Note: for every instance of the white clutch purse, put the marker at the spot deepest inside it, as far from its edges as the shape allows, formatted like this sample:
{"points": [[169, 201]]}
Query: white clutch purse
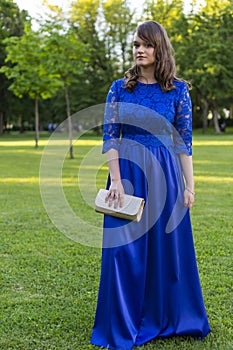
{"points": [[131, 210]]}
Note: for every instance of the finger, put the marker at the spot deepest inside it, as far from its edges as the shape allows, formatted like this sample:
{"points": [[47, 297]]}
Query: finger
{"points": [[191, 203], [116, 202], [113, 199], [107, 196], [188, 201], [110, 200], [110, 195], [121, 200]]}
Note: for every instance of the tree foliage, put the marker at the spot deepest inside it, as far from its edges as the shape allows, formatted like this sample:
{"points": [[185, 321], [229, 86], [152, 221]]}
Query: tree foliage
{"points": [[118, 26], [11, 24], [209, 63], [27, 56], [66, 61]]}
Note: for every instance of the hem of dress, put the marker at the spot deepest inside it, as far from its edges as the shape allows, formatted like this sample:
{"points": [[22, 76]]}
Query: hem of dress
{"points": [[110, 347], [157, 337], [163, 337]]}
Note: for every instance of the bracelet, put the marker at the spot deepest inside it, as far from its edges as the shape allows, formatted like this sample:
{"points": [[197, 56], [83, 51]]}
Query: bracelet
{"points": [[193, 193]]}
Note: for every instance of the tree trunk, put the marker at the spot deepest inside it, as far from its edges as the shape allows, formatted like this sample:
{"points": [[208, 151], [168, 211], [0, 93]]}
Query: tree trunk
{"points": [[1, 123], [231, 111], [205, 115], [123, 49], [198, 111], [22, 127], [69, 122], [215, 119], [36, 122]]}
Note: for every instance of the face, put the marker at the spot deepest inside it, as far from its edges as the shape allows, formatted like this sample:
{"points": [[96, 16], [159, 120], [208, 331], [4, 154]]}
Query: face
{"points": [[143, 53]]}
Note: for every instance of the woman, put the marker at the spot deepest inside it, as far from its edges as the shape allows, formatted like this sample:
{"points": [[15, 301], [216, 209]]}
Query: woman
{"points": [[149, 283]]}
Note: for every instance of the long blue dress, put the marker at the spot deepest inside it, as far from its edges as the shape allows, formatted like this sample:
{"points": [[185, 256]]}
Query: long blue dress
{"points": [[149, 284]]}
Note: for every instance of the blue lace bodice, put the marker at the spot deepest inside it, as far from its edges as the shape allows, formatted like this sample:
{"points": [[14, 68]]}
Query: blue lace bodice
{"points": [[149, 116]]}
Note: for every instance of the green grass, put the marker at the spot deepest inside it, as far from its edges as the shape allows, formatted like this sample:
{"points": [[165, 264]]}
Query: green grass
{"points": [[49, 283]]}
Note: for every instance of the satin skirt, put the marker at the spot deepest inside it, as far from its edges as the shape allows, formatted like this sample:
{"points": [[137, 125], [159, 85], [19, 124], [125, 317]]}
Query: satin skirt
{"points": [[149, 285]]}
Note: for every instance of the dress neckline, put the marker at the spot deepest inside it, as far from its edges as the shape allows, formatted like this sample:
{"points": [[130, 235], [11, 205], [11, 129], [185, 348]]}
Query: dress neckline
{"points": [[147, 83]]}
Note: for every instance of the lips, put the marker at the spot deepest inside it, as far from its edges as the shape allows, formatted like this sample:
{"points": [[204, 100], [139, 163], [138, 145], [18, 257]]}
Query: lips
{"points": [[140, 57]]}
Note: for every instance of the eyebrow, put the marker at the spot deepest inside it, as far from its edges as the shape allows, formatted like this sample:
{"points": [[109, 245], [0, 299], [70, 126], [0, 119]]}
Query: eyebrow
{"points": [[141, 40]]}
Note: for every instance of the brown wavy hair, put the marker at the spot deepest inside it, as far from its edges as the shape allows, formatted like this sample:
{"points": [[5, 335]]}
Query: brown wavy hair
{"points": [[164, 67]]}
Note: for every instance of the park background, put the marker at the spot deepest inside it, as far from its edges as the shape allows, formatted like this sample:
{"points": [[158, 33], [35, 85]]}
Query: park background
{"points": [[59, 65]]}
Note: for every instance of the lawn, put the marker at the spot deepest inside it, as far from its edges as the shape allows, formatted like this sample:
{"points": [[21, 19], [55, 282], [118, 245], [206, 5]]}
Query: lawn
{"points": [[49, 282]]}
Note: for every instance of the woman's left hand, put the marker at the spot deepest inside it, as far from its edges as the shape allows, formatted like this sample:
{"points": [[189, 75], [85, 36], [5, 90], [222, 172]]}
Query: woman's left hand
{"points": [[115, 194], [188, 198]]}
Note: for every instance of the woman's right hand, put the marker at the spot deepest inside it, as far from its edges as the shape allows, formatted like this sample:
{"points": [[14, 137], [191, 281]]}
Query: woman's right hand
{"points": [[115, 194]]}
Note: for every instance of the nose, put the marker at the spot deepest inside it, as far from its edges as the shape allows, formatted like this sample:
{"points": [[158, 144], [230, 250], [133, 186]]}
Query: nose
{"points": [[140, 49]]}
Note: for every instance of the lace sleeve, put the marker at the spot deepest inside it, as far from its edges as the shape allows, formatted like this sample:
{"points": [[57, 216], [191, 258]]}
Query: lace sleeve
{"points": [[182, 134], [111, 129]]}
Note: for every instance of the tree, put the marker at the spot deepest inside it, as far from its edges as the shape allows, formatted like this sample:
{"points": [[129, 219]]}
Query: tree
{"points": [[209, 52], [29, 75], [11, 24], [98, 74], [170, 14], [66, 61], [118, 31]]}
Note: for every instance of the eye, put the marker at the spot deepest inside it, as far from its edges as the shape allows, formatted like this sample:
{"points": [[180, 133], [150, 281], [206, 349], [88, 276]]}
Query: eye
{"points": [[135, 45], [149, 45]]}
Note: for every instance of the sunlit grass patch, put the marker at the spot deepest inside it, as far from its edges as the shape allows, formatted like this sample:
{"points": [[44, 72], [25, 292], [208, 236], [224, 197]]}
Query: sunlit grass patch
{"points": [[212, 143], [18, 180], [213, 179]]}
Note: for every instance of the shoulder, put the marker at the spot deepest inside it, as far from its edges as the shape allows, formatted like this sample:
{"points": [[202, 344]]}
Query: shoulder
{"points": [[180, 85], [116, 89], [118, 84], [181, 90]]}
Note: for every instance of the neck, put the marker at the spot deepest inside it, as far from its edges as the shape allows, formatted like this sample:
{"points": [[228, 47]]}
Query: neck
{"points": [[148, 74]]}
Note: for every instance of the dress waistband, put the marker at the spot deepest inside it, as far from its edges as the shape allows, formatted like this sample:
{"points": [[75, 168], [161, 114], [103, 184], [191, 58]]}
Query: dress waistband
{"points": [[148, 140]]}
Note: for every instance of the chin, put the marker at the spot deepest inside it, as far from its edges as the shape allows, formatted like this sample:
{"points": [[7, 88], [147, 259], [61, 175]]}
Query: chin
{"points": [[142, 64]]}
